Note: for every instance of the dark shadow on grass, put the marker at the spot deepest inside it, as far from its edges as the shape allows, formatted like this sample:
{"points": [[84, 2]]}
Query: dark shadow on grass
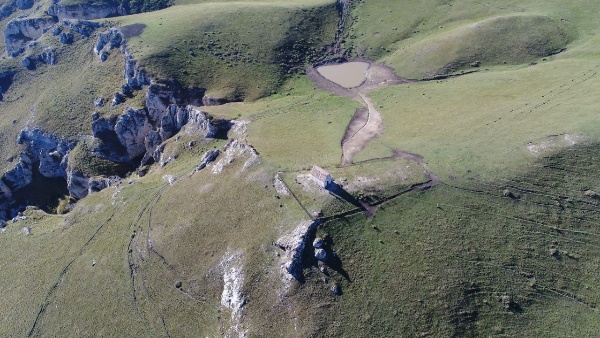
{"points": [[339, 192]]}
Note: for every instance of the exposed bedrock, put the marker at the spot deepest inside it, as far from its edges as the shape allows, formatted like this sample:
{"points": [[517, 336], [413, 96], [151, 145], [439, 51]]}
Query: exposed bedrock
{"points": [[86, 11], [19, 32], [131, 129]]}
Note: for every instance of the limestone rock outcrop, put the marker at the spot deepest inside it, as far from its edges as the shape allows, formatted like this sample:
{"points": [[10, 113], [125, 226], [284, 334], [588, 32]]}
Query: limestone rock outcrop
{"points": [[19, 32], [21, 175], [77, 184], [134, 77], [132, 128], [208, 157], [108, 40], [5, 202], [87, 12], [294, 244], [47, 149]]}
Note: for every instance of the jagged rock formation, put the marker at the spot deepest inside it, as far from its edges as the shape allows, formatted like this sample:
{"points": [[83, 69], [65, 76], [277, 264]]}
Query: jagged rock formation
{"points": [[134, 135], [19, 32], [86, 12], [48, 150], [208, 157], [85, 28], [132, 128], [5, 202], [294, 244], [21, 175], [134, 77], [12, 6], [77, 184]]}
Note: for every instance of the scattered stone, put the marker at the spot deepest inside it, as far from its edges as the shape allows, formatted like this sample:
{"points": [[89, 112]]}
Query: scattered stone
{"points": [[591, 194], [318, 243], [178, 284], [554, 253], [99, 102], [27, 230], [2, 224], [94, 262], [56, 31], [507, 193]]}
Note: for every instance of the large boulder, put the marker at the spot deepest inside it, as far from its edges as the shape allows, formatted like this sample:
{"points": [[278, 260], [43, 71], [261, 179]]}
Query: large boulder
{"points": [[200, 124], [24, 4], [77, 184], [108, 40], [134, 77], [53, 165], [131, 129]]}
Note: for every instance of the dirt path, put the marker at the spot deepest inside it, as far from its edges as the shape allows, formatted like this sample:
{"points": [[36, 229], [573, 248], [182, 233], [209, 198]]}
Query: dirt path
{"points": [[366, 124], [360, 137]]}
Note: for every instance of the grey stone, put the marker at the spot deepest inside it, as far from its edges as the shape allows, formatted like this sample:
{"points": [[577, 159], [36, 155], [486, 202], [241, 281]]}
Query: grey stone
{"points": [[85, 11], [52, 165], [77, 184], [99, 102], [21, 175], [208, 157], [66, 38], [320, 254], [318, 243], [117, 99], [109, 40], [24, 4], [131, 129], [19, 32]]}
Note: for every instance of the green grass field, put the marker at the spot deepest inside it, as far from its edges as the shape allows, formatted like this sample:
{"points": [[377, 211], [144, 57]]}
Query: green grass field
{"points": [[505, 246]]}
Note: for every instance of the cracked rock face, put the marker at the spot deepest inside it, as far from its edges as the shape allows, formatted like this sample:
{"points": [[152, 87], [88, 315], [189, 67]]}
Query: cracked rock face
{"points": [[19, 32], [109, 40], [21, 175], [52, 164], [5, 202], [77, 184], [132, 128], [86, 12], [294, 244]]}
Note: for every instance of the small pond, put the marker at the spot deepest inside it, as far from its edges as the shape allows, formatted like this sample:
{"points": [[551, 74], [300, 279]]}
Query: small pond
{"points": [[349, 74]]}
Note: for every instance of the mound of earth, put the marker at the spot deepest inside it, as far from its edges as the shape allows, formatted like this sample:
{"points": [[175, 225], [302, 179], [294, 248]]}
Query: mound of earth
{"points": [[515, 39]]}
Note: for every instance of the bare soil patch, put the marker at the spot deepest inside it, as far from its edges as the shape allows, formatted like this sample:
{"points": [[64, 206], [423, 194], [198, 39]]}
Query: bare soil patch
{"points": [[366, 124], [357, 141]]}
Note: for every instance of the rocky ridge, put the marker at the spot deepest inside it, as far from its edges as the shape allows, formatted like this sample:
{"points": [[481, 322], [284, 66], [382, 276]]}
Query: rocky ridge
{"points": [[134, 137]]}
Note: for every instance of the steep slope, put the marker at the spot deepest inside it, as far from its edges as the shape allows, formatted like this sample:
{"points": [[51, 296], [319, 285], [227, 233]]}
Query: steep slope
{"points": [[472, 213]]}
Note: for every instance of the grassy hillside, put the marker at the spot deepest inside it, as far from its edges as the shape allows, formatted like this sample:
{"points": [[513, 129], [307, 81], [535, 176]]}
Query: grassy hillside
{"points": [[505, 245], [217, 45], [437, 263]]}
